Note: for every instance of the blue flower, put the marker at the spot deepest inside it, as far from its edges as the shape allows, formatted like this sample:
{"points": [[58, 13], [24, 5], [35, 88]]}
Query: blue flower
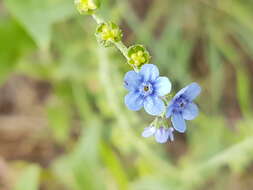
{"points": [[162, 135], [145, 89], [182, 108]]}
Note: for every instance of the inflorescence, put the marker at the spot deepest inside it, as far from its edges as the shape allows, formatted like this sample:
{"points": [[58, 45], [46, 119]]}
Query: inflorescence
{"points": [[146, 89]]}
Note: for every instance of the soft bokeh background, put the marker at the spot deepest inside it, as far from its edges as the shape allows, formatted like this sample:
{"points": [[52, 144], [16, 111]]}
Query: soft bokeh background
{"points": [[63, 124]]}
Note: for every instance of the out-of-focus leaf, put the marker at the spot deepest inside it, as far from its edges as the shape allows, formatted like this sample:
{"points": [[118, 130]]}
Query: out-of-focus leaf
{"points": [[14, 42], [243, 91], [59, 120], [37, 17], [235, 156], [172, 51], [216, 76], [80, 169], [114, 166], [241, 12], [29, 179], [156, 182], [212, 133]]}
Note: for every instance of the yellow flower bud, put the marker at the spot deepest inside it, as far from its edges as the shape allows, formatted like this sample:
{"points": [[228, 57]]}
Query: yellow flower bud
{"points": [[108, 33], [87, 6], [138, 55]]}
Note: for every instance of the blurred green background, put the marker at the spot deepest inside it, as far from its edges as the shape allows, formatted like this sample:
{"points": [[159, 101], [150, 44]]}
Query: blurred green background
{"points": [[63, 123]]}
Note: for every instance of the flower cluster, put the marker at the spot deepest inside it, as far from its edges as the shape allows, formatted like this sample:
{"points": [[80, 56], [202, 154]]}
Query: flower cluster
{"points": [[162, 134], [146, 89]]}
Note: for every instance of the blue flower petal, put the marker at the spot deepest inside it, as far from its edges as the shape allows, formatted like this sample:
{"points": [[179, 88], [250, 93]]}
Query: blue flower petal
{"points": [[134, 101], [192, 91], [178, 122], [171, 136], [162, 86], [154, 105], [169, 109], [162, 135], [132, 80], [149, 72], [191, 111], [180, 92], [149, 131]]}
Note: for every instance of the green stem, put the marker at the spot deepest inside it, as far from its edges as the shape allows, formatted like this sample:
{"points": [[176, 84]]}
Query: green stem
{"points": [[122, 48], [98, 19], [165, 100]]}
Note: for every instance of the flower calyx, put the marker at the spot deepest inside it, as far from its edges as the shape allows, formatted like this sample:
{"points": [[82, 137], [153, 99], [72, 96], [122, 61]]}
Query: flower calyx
{"points": [[138, 55], [87, 6], [108, 33]]}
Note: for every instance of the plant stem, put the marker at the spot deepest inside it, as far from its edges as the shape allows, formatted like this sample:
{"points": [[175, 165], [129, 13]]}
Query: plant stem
{"points": [[122, 48], [98, 19]]}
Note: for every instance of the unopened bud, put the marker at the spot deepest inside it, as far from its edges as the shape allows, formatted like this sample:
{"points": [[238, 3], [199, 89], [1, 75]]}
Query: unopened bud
{"points": [[87, 6], [108, 33], [138, 55]]}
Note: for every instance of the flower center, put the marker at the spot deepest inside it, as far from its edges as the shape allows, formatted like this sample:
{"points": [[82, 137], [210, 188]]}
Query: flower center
{"points": [[180, 104], [146, 89]]}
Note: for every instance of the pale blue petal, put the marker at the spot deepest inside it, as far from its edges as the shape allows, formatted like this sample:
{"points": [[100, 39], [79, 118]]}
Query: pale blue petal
{"points": [[180, 92], [132, 80], [134, 101], [169, 109], [162, 86], [154, 105], [149, 72], [162, 135], [171, 136], [149, 131], [191, 111], [192, 91], [178, 122]]}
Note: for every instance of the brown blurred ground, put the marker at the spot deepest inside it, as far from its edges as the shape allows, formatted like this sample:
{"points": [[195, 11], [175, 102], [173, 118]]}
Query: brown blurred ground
{"points": [[23, 125]]}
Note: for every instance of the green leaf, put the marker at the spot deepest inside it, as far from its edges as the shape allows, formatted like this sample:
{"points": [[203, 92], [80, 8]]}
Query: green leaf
{"points": [[243, 91], [29, 179], [235, 156], [77, 169], [37, 17], [114, 166], [59, 120], [11, 33]]}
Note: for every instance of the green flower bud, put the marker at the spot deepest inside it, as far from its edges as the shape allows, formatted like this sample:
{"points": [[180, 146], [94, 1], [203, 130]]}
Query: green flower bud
{"points": [[138, 55], [108, 33], [87, 6]]}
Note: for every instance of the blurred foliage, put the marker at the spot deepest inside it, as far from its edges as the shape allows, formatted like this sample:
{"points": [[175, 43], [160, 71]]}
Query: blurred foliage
{"points": [[205, 41], [29, 178]]}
